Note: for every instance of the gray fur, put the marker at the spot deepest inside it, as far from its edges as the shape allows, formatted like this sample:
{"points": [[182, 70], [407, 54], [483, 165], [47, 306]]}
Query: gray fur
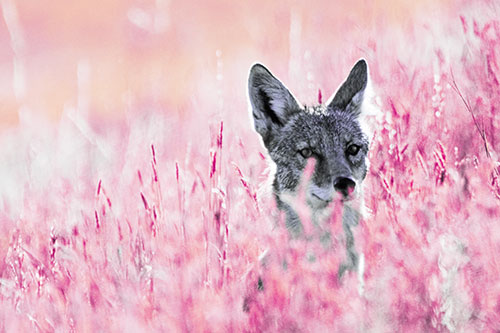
{"points": [[350, 94], [328, 130]]}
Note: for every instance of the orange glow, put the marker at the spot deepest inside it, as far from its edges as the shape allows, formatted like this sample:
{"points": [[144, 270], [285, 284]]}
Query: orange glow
{"points": [[163, 51]]}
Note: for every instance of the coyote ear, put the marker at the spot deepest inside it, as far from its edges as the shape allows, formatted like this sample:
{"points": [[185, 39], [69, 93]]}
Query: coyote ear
{"points": [[272, 103], [350, 94]]}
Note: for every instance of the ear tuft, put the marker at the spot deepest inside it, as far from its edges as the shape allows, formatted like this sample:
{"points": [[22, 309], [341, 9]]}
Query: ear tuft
{"points": [[350, 94], [272, 103]]}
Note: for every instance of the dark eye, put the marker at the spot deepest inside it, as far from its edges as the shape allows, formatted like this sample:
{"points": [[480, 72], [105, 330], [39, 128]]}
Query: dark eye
{"points": [[306, 152], [353, 150]]}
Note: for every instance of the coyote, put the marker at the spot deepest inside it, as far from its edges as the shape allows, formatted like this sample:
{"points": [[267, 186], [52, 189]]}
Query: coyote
{"points": [[331, 134]]}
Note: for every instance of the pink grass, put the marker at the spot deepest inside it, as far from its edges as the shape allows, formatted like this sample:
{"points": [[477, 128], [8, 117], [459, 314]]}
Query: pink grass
{"points": [[159, 221]]}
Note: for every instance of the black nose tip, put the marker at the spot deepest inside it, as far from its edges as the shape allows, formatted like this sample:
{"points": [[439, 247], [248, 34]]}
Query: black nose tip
{"points": [[344, 185]]}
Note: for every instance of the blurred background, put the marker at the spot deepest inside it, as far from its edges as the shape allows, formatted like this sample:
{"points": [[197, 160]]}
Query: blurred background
{"points": [[110, 58], [126, 149]]}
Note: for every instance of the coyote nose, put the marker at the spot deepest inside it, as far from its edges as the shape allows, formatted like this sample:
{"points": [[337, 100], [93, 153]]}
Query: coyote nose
{"points": [[344, 185]]}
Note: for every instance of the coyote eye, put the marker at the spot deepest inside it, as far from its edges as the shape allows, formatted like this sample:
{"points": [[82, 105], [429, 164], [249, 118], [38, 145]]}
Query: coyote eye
{"points": [[353, 150], [306, 152]]}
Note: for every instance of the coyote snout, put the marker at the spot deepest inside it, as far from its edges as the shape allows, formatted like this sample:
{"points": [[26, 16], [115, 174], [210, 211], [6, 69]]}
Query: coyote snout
{"points": [[320, 197], [345, 186]]}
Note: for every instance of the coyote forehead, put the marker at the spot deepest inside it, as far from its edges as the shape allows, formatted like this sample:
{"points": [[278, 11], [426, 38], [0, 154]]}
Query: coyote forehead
{"points": [[331, 134]]}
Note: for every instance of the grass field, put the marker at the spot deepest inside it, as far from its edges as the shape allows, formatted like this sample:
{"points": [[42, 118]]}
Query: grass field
{"points": [[133, 187]]}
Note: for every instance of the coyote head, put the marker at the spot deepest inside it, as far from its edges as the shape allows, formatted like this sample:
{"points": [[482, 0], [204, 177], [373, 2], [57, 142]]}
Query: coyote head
{"points": [[331, 134]]}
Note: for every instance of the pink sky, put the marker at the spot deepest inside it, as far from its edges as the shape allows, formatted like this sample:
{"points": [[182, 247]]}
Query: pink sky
{"points": [[159, 51]]}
